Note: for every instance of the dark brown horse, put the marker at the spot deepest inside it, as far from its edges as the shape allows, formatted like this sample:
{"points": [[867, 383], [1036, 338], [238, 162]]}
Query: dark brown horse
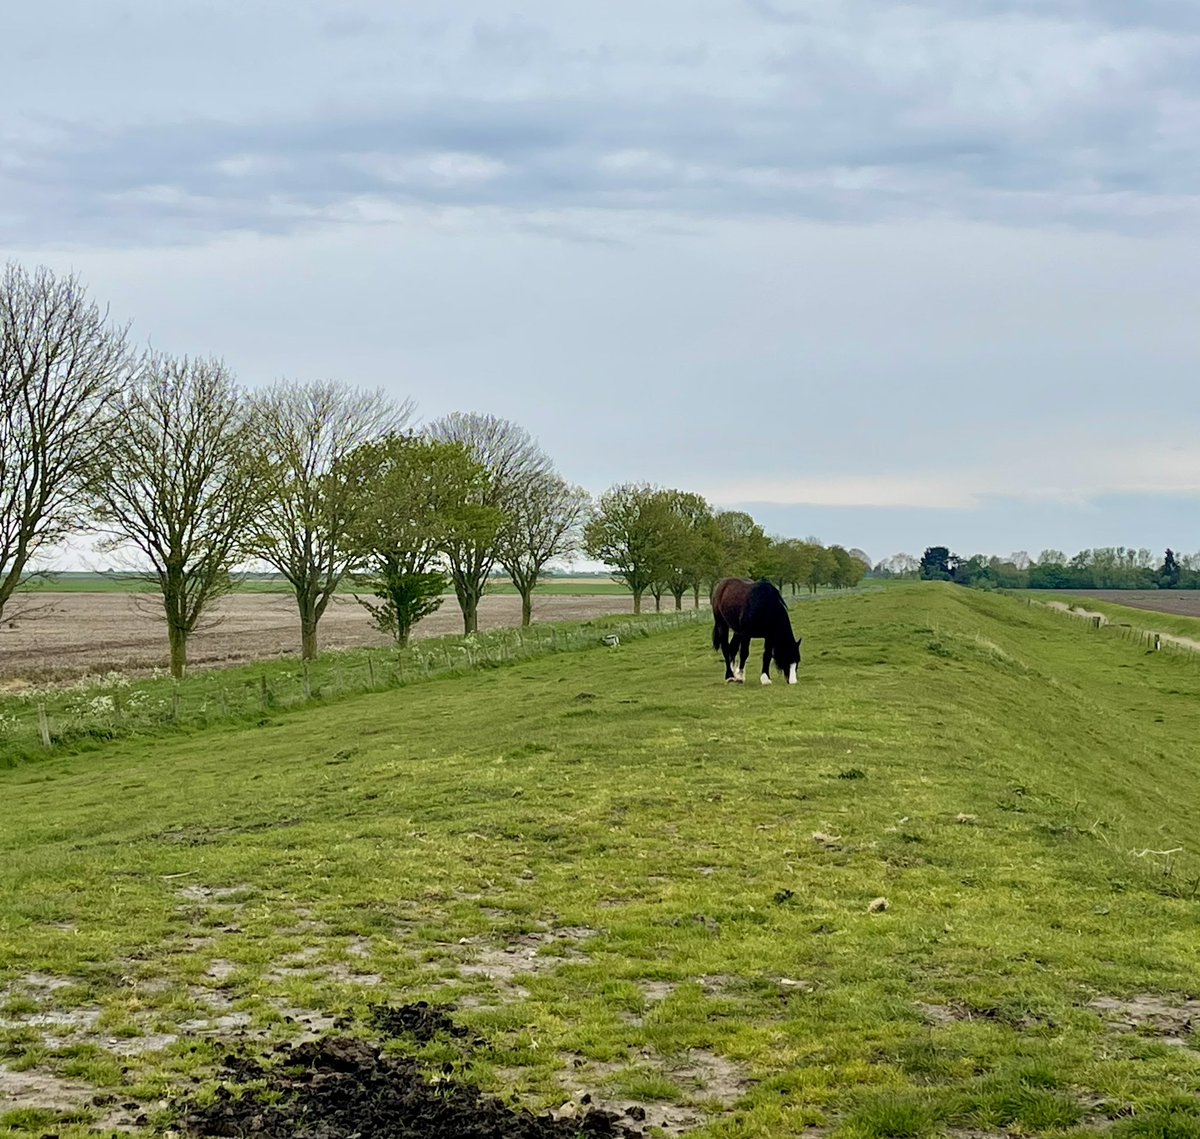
{"points": [[753, 609]]}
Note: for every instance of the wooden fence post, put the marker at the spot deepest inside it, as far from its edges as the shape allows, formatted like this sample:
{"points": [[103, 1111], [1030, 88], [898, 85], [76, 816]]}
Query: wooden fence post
{"points": [[44, 726], [266, 695]]}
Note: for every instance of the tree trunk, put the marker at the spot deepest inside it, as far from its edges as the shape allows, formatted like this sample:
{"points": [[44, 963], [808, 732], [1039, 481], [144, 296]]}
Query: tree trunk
{"points": [[470, 612], [308, 634], [637, 602], [178, 640], [678, 600], [695, 597], [658, 603], [526, 606]]}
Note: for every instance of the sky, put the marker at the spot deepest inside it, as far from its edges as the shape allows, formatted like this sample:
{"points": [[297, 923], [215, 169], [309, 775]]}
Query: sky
{"points": [[889, 274]]}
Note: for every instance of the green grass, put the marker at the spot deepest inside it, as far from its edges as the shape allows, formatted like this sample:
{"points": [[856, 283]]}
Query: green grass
{"points": [[697, 865], [93, 711]]}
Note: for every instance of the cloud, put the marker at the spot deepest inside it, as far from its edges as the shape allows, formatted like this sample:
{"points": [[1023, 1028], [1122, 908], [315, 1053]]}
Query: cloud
{"points": [[1052, 470], [1027, 115]]}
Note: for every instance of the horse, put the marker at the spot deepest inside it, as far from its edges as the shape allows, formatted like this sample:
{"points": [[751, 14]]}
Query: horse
{"points": [[753, 609]]}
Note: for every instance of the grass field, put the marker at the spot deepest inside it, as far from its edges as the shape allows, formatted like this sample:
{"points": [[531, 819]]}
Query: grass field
{"points": [[947, 884]]}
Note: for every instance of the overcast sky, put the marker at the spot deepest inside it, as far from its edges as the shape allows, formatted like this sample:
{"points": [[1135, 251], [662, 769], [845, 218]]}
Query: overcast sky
{"points": [[890, 274]]}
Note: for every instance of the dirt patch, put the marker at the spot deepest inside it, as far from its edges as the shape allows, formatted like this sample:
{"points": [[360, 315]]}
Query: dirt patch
{"points": [[1170, 1021], [90, 633], [341, 1087], [33, 1089], [523, 956], [216, 896], [701, 1076]]}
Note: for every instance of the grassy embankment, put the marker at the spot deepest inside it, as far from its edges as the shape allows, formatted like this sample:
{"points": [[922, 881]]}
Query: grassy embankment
{"points": [[696, 863]]}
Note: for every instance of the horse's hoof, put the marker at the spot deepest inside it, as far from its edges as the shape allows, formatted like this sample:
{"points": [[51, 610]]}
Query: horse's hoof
{"points": [[765, 679], [731, 680]]}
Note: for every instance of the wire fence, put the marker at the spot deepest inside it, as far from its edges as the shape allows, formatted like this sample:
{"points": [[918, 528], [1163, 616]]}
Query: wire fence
{"points": [[1149, 639], [36, 722]]}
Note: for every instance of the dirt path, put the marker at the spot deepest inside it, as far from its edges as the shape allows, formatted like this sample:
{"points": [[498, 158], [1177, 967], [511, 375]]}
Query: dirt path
{"points": [[75, 633]]}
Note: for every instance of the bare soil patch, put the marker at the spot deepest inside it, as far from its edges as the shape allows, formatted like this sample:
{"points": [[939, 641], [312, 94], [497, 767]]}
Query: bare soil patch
{"points": [[80, 633], [1171, 1021], [339, 1086]]}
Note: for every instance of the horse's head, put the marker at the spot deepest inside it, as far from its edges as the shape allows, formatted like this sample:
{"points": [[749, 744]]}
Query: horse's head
{"points": [[787, 658]]}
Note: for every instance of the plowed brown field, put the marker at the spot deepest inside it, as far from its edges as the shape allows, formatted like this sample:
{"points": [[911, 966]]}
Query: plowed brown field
{"points": [[72, 633], [1180, 602]]}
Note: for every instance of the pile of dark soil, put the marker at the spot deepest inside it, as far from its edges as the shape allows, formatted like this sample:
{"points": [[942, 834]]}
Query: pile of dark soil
{"points": [[340, 1087], [421, 1022]]}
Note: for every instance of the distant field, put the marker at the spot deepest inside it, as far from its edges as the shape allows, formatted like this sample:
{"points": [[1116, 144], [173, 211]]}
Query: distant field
{"points": [[63, 634], [1180, 602], [945, 888], [130, 583]]}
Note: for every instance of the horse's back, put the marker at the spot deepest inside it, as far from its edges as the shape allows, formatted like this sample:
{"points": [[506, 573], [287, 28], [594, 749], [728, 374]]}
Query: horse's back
{"points": [[748, 606]]}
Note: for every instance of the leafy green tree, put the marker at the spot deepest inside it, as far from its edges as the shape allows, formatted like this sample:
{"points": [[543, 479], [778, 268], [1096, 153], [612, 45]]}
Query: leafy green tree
{"points": [[413, 496], [684, 552], [847, 571], [743, 543], [1169, 572], [513, 460], [178, 483], [821, 569], [544, 521], [937, 564], [305, 435], [625, 533]]}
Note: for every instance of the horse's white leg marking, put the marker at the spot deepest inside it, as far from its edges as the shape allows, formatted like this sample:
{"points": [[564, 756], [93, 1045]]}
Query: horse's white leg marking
{"points": [[765, 679], [792, 675]]}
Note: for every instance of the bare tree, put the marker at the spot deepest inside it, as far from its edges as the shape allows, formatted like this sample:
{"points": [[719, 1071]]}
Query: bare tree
{"points": [[61, 364], [512, 458], [306, 434], [178, 485], [545, 517]]}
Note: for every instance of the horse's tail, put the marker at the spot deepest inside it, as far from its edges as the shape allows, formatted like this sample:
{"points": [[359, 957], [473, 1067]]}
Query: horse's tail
{"points": [[716, 635]]}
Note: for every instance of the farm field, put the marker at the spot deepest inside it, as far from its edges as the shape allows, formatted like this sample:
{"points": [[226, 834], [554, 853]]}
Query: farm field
{"points": [[72, 633], [946, 885], [79, 582], [1178, 602]]}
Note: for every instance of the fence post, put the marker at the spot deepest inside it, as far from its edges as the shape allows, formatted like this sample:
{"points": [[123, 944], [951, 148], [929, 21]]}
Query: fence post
{"points": [[371, 673], [44, 726], [1157, 642], [307, 683]]}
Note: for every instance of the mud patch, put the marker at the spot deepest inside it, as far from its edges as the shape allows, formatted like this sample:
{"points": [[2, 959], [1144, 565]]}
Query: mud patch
{"points": [[701, 1076], [33, 1089], [1166, 1020], [339, 1087], [524, 955]]}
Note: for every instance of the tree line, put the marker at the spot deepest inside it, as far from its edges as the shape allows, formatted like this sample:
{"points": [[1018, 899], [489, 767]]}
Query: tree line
{"points": [[326, 483], [1107, 567]]}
